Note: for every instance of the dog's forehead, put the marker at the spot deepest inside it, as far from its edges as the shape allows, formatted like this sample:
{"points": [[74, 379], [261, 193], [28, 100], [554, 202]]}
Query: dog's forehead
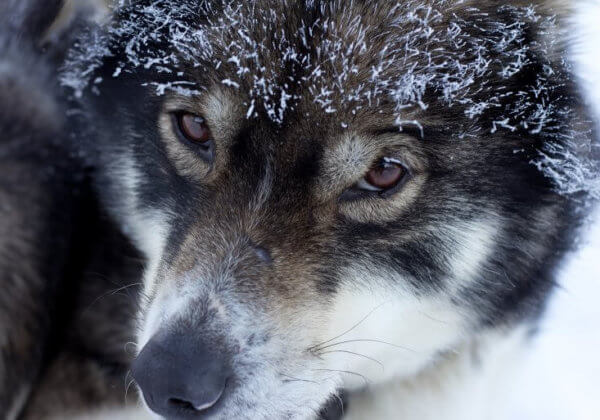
{"points": [[293, 60], [479, 69]]}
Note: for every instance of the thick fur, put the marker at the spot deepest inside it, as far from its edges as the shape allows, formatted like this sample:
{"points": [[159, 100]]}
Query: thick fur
{"points": [[269, 253]]}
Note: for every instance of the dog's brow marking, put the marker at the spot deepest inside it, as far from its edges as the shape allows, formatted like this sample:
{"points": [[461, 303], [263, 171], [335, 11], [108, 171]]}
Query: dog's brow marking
{"points": [[347, 159], [477, 240]]}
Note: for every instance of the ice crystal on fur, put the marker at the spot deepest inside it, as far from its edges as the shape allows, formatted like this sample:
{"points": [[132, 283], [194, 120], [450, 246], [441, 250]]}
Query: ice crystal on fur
{"points": [[420, 55]]}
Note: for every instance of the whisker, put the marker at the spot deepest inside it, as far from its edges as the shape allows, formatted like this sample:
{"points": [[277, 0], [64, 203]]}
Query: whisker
{"points": [[367, 341], [356, 354], [425, 314], [128, 385], [292, 378], [364, 378], [350, 329], [111, 292]]}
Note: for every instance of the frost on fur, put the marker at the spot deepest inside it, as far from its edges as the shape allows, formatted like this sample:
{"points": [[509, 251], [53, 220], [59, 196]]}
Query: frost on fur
{"points": [[425, 56]]}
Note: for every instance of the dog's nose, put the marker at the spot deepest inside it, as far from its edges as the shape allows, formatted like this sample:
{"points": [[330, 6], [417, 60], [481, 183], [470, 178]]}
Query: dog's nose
{"points": [[179, 376]]}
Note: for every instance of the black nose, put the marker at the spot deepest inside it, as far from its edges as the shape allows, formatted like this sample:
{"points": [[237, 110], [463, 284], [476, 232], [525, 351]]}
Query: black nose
{"points": [[180, 377]]}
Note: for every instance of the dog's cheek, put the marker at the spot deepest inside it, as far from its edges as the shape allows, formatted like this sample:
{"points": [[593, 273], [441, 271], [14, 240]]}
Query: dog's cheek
{"points": [[376, 332]]}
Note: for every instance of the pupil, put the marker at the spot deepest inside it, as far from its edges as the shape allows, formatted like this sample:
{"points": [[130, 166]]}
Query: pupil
{"points": [[385, 176], [194, 128]]}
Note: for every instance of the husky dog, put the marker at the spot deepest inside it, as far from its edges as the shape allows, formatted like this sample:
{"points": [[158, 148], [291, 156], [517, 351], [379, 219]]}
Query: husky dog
{"points": [[367, 196]]}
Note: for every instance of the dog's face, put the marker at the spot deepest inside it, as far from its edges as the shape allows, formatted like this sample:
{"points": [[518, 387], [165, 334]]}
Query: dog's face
{"points": [[331, 198]]}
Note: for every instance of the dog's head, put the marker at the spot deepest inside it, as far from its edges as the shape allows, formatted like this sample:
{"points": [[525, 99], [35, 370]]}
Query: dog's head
{"points": [[328, 193]]}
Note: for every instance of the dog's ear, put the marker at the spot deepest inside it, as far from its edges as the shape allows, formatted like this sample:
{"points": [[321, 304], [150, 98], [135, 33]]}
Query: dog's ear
{"points": [[28, 19]]}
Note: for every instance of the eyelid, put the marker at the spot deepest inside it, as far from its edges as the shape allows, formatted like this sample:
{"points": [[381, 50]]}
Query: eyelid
{"points": [[182, 109], [387, 159]]}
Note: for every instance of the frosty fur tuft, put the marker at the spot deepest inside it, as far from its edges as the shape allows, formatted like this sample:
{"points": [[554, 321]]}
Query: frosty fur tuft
{"points": [[421, 54]]}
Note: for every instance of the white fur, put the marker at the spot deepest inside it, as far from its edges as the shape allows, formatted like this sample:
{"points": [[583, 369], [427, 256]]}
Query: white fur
{"points": [[473, 244], [148, 229], [470, 384], [407, 333], [411, 330]]}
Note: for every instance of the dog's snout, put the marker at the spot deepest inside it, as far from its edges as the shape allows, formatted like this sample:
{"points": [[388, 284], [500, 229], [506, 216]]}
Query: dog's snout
{"points": [[180, 377]]}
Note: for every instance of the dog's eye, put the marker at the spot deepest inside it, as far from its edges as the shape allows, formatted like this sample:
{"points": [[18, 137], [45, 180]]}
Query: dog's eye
{"points": [[193, 127], [383, 179], [386, 175]]}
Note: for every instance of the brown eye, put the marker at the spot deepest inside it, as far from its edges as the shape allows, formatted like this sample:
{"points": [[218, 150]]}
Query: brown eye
{"points": [[386, 175], [193, 127], [384, 179]]}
